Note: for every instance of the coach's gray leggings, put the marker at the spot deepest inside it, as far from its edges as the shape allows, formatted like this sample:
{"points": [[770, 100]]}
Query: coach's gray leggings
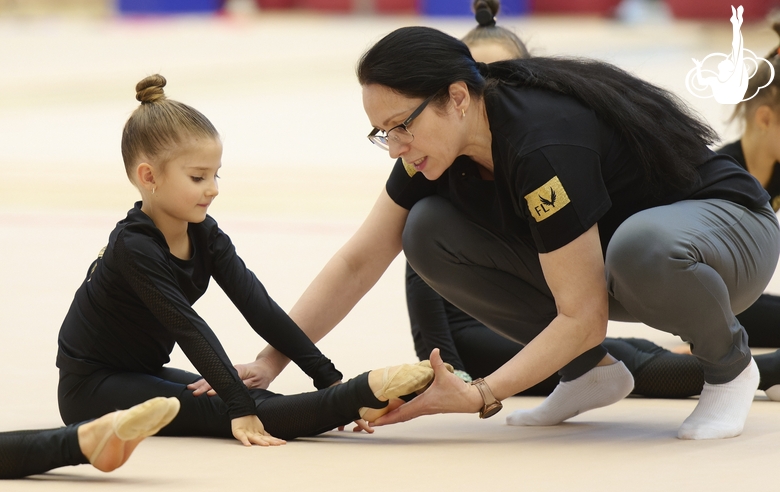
{"points": [[685, 268]]}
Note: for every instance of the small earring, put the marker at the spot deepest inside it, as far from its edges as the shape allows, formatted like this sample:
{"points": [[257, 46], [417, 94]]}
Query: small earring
{"points": [[463, 113], [153, 188]]}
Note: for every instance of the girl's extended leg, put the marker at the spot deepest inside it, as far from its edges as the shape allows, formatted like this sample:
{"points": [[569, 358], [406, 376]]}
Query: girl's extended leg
{"points": [[31, 452], [309, 414], [87, 397], [285, 417], [106, 443]]}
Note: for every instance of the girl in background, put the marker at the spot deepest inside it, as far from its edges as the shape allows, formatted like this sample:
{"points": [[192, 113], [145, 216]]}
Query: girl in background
{"points": [[758, 151]]}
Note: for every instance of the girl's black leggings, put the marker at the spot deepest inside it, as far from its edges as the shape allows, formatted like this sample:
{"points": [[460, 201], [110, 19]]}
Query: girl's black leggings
{"points": [[286, 417]]}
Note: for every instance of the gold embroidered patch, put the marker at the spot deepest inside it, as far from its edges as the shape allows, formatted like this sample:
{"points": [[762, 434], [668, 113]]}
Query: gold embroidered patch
{"points": [[547, 199], [410, 170]]}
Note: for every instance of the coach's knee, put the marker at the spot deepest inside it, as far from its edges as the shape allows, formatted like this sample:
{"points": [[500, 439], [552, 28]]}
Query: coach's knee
{"points": [[641, 254], [424, 228]]}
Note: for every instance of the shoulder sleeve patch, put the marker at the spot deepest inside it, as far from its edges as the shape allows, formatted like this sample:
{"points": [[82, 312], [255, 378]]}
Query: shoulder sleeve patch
{"points": [[410, 170], [547, 199]]}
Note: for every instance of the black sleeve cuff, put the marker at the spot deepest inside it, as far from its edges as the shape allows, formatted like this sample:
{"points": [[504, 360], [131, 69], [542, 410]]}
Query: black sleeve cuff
{"points": [[325, 374], [239, 402]]}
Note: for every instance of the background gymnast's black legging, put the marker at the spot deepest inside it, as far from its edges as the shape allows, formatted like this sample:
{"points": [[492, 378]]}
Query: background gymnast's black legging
{"points": [[762, 321], [658, 373], [286, 417]]}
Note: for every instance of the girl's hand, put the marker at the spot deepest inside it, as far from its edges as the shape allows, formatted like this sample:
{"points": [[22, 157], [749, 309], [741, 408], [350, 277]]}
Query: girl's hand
{"points": [[249, 430], [200, 387]]}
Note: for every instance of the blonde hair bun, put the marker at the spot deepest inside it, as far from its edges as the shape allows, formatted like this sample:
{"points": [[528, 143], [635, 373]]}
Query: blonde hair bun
{"points": [[150, 89]]}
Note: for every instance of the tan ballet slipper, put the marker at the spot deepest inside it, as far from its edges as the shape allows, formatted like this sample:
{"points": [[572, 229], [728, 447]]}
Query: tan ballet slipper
{"points": [[427, 363], [142, 420], [173, 409], [403, 380]]}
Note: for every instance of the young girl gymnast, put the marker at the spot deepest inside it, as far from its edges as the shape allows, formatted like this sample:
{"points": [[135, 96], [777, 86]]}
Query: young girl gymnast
{"points": [[136, 302]]}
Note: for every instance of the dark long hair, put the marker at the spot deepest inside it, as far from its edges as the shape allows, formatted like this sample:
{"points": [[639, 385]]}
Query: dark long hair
{"points": [[668, 138]]}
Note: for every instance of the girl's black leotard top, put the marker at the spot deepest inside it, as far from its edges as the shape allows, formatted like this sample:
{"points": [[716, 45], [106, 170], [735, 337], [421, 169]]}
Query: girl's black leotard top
{"points": [[734, 149], [136, 302]]}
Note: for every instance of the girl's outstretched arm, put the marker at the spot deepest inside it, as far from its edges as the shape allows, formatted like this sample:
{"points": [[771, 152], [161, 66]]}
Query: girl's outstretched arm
{"points": [[344, 280]]}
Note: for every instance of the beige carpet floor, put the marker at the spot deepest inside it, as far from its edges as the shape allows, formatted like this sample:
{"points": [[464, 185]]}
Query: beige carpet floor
{"points": [[298, 177]]}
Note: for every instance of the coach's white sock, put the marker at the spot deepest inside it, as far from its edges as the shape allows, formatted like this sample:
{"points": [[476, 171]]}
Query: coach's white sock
{"points": [[599, 387], [722, 408]]}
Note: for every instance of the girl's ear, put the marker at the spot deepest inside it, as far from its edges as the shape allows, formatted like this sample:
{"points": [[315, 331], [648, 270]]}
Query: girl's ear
{"points": [[145, 176], [764, 117]]}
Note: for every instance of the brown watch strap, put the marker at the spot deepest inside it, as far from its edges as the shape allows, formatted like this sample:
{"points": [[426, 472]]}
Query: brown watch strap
{"points": [[491, 405]]}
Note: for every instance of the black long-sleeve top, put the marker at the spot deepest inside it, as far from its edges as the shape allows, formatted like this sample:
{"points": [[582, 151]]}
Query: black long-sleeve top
{"points": [[136, 302], [734, 149]]}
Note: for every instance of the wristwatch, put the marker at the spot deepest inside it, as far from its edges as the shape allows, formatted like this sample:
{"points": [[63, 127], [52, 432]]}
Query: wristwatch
{"points": [[492, 406]]}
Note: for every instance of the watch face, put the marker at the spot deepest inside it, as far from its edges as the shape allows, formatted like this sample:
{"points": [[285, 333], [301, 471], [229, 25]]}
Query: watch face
{"points": [[491, 410]]}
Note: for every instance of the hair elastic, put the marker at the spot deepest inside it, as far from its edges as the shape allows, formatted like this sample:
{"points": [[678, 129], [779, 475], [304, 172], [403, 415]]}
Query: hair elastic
{"points": [[485, 17]]}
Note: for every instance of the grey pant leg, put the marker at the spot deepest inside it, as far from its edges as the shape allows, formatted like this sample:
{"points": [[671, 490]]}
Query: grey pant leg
{"points": [[688, 267], [497, 282]]}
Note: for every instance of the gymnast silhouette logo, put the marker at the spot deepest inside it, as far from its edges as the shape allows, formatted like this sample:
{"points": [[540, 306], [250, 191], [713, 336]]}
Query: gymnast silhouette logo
{"points": [[729, 83]]}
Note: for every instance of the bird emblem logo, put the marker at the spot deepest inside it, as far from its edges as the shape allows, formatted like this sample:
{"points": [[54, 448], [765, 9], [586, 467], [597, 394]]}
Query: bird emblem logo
{"points": [[547, 199], [551, 201]]}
